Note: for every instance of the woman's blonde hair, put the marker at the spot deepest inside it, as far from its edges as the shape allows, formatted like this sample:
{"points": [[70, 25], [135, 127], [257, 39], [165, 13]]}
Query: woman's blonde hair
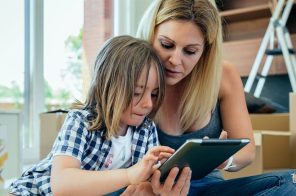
{"points": [[117, 69], [202, 85]]}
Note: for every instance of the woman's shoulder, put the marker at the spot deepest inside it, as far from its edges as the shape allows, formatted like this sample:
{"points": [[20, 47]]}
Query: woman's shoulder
{"points": [[231, 80], [230, 72]]}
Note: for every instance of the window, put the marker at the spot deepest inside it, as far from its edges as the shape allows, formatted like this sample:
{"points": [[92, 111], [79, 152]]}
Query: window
{"points": [[11, 54], [47, 54], [63, 31]]}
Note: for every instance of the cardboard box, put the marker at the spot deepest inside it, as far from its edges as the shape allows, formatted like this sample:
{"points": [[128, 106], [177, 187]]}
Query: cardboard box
{"points": [[273, 150], [50, 124], [271, 122]]}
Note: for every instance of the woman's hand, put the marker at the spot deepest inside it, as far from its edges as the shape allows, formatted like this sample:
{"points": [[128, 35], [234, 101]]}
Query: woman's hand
{"points": [[141, 171], [143, 188], [169, 187], [223, 135]]}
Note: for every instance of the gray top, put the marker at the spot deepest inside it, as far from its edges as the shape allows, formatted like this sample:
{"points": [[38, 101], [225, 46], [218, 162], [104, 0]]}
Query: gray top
{"points": [[212, 130]]}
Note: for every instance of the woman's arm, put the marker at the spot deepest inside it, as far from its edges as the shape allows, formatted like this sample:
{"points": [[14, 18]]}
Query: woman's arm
{"points": [[235, 116]]}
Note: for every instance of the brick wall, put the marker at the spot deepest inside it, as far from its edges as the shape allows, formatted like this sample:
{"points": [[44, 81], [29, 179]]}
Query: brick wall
{"points": [[98, 27]]}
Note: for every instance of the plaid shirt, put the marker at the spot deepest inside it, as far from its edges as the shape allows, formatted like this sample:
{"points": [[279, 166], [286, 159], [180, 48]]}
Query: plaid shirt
{"points": [[89, 147]]}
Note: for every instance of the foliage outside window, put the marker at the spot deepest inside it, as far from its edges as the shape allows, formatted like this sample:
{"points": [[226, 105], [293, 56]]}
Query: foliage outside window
{"points": [[63, 97]]}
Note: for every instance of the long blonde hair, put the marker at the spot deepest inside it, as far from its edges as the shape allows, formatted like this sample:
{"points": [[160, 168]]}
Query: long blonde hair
{"points": [[117, 69], [202, 85]]}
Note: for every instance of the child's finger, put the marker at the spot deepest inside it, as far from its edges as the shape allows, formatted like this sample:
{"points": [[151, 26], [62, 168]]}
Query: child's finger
{"points": [[156, 166], [150, 157], [164, 155], [159, 149], [162, 160]]}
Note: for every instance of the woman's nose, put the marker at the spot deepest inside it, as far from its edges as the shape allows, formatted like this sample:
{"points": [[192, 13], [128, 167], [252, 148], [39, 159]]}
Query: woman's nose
{"points": [[176, 57]]}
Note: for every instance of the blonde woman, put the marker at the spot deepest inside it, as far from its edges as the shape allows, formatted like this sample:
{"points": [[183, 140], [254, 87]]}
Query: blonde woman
{"points": [[204, 98], [109, 142]]}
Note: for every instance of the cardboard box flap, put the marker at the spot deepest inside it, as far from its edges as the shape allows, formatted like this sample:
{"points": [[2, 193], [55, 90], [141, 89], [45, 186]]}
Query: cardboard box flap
{"points": [[276, 121]]}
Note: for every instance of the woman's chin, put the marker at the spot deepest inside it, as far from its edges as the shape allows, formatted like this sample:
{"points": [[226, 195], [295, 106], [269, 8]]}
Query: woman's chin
{"points": [[171, 81]]}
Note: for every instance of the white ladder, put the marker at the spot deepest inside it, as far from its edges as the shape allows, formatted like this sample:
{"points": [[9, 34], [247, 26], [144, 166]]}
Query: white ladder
{"points": [[276, 27]]}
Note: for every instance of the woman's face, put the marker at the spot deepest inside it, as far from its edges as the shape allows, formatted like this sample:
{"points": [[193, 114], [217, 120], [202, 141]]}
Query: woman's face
{"points": [[180, 44]]}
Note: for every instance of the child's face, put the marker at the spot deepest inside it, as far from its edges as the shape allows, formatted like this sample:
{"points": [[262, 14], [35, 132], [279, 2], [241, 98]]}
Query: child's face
{"points": [[143, 99]]}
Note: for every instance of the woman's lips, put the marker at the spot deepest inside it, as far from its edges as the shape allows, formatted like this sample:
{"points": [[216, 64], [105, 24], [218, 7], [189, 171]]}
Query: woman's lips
{"points": [[171, 73]]}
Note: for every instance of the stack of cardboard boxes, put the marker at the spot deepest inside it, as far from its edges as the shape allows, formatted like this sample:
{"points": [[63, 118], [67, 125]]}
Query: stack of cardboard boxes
{"points": [[275, 139]]}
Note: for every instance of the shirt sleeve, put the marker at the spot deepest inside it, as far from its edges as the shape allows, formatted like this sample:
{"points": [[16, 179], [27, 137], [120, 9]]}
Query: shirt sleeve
{"points": [[153, 136], [72, 137]]}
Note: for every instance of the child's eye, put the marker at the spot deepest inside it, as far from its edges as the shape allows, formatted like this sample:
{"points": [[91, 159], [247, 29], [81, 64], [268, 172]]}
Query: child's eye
{"points": [[154, 95], [138, 94]]}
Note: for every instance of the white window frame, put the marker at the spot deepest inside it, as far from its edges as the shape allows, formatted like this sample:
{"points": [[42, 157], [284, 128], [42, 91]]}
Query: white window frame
{"points": [[34, 77]]}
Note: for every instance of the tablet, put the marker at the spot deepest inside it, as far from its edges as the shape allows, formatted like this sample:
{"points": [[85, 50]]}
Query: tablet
{"points": [[202, 156]]}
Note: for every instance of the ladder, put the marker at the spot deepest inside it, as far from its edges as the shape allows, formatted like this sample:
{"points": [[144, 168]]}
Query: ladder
{"points": [[276, 27]]}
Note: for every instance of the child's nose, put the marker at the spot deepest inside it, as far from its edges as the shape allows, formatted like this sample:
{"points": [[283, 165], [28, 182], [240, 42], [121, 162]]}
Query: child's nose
{"points": [[147, 102]]}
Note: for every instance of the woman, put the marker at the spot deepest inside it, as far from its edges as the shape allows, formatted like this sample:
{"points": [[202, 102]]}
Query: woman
{"points": [[203, 96]]}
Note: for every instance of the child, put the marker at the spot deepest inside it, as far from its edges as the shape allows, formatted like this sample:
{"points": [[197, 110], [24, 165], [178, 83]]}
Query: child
{"points": [[102, 145]]}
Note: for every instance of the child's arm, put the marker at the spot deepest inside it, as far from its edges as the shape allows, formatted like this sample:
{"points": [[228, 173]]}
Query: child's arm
{"points": [[68, 179]]}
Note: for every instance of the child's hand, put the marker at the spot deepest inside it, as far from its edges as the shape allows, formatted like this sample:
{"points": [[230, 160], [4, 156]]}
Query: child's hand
{"points": [[143, 169]]}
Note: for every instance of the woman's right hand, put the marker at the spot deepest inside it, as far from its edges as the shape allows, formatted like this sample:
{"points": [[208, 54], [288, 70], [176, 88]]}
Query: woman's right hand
{"points": [[169, 187]]}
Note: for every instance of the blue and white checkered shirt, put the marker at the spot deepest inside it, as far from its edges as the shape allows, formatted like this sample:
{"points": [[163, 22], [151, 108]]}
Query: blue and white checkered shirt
{"points": [[89, 147]]}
